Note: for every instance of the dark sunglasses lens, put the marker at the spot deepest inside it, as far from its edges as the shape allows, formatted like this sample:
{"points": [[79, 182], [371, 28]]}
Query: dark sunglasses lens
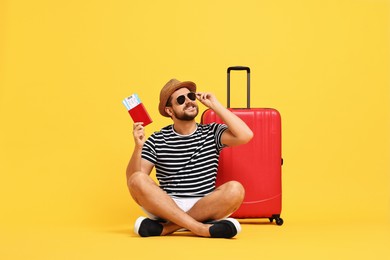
{"points": [[181, 99], [191, 96]]}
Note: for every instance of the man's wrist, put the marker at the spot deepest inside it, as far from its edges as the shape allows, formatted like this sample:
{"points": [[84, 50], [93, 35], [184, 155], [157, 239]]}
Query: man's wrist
{"points": [[138, 148], [215, 106]]}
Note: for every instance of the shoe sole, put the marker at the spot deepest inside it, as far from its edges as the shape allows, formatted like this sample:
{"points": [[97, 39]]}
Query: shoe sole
{"points": [[235, 223], [138, 224]]}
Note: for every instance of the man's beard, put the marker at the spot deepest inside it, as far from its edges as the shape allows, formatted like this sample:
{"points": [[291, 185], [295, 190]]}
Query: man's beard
{"points": [[184, 116]]}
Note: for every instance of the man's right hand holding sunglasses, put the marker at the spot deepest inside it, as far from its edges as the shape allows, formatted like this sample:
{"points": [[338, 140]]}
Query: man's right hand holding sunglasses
{"points": [[207, 99]]}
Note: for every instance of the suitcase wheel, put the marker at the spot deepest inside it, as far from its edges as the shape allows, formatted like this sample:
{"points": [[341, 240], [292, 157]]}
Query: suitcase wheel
{"points": [[278, 220]]}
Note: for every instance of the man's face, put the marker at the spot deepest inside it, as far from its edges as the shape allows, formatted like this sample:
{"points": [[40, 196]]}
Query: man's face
{"points": [[186, 111]]}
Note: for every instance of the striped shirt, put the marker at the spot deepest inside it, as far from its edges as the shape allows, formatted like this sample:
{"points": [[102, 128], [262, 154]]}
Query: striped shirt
{"points": [[186, 165]]}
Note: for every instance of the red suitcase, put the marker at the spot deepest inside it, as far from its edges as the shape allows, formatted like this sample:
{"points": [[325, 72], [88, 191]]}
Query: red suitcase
{"points": [[257, 165]]}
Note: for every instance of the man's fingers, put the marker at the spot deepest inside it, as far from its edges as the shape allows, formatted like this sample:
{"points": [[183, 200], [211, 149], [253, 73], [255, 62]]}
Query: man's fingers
{"points": [[138, 125], [202, 95]]}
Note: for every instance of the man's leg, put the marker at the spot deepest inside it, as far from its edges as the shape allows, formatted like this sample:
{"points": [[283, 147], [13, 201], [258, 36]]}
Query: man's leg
{"points": [[226, 199], [148, 195]]}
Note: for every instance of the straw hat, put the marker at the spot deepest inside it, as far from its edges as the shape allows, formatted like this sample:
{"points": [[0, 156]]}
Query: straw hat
{"points": [[168, 90]]}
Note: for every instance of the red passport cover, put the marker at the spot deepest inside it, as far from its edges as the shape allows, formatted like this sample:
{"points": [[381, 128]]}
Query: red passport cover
{"points": [[139, 114]]}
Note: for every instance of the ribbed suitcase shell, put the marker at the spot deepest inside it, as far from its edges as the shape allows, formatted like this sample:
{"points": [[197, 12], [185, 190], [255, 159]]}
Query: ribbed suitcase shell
{"points": [[256, 165]]}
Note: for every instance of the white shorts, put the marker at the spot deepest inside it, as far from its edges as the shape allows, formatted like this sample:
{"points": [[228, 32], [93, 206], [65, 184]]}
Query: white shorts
{"points": [[184, 203]]}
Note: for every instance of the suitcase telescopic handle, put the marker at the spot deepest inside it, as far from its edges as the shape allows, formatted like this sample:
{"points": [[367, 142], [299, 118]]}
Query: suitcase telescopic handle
{"points": [[248, 84]]}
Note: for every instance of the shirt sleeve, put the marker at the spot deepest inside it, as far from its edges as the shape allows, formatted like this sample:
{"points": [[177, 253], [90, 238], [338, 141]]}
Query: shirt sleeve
{"points": [[218, 131], [149, 151]]}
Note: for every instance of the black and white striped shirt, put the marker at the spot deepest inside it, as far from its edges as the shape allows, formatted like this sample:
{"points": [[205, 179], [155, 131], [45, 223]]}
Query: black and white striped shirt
{"points": [[186, 165]]}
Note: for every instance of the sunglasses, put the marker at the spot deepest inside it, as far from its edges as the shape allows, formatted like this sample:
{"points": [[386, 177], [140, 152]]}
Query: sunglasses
{"points": [[181, 99]]}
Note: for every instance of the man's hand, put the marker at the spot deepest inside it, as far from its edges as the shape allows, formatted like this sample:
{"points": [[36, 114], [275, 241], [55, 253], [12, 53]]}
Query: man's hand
{"points": [[238, 132], [207, 99], [139, 134]]}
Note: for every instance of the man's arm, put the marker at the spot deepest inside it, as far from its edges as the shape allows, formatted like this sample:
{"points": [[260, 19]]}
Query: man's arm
{"points": [[238, 132], [136, 163]]}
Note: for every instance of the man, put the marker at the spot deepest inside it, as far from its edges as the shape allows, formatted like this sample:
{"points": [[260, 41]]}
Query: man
{"points": [[185, 155]]}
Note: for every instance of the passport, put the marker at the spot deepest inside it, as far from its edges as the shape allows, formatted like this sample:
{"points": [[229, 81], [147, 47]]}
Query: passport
{"points": [[137, 110]]}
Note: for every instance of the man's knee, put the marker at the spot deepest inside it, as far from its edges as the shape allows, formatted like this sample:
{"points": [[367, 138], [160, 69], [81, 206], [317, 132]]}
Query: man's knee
{"points": [[138, 184], [235, 190]]}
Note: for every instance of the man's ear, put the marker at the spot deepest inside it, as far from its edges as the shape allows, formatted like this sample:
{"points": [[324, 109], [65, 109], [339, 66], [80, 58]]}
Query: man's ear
{"points": [[169, 111]]}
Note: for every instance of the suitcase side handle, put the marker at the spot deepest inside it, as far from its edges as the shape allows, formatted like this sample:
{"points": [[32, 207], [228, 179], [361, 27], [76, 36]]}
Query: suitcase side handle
{"points": [[248, 84]]}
